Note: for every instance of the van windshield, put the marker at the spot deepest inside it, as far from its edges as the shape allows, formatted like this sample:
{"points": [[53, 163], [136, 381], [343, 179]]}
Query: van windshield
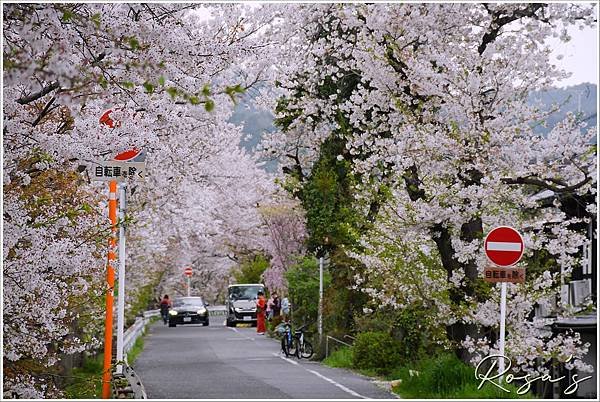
{"points": [[244, 292]]}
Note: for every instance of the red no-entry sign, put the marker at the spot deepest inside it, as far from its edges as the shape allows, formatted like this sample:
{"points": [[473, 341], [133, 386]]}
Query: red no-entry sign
{"points": [[504, 246], [188, 271]]}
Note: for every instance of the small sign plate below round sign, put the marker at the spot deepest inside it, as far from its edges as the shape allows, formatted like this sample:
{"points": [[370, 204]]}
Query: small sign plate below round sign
{"points": [[504, 246]]}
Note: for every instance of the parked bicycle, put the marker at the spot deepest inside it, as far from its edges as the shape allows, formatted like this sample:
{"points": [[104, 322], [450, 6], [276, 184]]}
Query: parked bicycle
{"points": [[304, 348], [288, 346], [294, 343]]}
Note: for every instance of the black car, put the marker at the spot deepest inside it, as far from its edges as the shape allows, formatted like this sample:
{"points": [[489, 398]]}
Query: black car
{"points": [[188, 310]]}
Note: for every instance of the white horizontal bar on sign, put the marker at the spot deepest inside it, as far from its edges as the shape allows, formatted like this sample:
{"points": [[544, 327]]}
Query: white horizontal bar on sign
{"points": [[502, 246]]}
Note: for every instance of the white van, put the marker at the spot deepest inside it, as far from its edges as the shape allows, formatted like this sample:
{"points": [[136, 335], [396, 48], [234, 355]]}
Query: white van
{"points": [[241, 303]]}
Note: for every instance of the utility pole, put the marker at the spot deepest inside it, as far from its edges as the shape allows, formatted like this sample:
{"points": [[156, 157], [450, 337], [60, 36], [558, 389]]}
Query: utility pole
{"points": [[320, 300], [121, 295]]}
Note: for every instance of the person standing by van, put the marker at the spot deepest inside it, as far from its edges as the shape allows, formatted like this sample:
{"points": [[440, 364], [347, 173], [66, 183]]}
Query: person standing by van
{"points": [[276, 307], [285, 308], [261, 306]]}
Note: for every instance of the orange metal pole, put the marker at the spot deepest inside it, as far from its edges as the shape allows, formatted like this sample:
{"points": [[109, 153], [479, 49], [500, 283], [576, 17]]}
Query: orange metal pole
{"points": [[110, 279]]}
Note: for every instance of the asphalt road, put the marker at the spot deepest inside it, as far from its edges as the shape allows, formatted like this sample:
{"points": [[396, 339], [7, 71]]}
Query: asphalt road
{"points": [[218, 362]]}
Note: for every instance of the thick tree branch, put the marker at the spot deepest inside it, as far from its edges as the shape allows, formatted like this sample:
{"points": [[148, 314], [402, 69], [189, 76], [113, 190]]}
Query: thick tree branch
{"points": [[545, 183], [35, 96], [499, 20]]}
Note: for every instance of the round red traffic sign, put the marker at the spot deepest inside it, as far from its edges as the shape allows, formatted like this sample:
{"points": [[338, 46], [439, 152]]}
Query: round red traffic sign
{"points": [[504, 246], [188, 271], [127, 155], [105, 119]]}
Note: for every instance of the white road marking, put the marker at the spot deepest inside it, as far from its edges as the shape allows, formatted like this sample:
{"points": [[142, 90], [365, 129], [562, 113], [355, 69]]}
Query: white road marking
{"points": [[340, 386], [286, 359], [502, 246], [238, 332], [329, 380]]}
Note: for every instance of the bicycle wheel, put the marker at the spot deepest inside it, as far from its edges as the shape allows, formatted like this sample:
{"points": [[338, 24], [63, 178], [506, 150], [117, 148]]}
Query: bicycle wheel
{"points": [[289, 349], [306, 351], [284, 346]]}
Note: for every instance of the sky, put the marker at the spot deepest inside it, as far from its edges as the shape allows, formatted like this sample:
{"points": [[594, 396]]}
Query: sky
{"points": [[580, 56]]}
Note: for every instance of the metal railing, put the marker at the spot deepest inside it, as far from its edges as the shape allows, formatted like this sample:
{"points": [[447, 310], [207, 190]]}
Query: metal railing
{"points": [[328, 337], [127, 385]]}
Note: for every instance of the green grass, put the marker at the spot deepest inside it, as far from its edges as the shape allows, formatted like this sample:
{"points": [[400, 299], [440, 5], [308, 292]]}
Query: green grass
{"points": [[341, 358], [135, 350], [446, 377], [440, 377], [86, 382]]}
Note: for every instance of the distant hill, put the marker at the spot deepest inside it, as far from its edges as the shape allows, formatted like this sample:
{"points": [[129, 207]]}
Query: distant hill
{"points": [[577, 99]]}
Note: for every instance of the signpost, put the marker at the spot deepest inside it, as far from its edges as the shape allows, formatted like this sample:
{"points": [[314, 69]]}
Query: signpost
{"points": [[118, 171], [129, 165], [503, 247], [188, 272]]}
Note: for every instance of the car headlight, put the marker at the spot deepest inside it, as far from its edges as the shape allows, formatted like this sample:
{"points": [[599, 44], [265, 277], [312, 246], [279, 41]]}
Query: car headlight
{"points": [[238, 309], [172, 312], [202, 310]]}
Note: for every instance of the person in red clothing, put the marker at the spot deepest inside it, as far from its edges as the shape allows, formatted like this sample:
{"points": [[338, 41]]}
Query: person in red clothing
{"points": [[261, 306], [165, 305]]}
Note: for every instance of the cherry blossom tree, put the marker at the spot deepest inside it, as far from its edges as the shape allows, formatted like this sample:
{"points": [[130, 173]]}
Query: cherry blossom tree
{"points": [[285, 241], [427, 103], [171, 75]]}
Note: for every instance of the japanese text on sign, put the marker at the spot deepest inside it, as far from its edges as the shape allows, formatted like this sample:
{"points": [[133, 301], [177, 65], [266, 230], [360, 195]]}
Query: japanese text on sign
{"points": [[118, 171], [501, 274]]}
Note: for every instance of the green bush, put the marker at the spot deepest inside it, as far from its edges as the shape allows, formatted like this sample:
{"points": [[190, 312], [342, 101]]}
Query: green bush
{"points": [[417, 334], [375, 350]]}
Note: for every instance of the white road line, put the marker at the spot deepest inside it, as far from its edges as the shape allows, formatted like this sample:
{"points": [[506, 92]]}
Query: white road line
{"points": [[286, 359], [340, 386], [329, 380], [238, 332], [502, 246]]}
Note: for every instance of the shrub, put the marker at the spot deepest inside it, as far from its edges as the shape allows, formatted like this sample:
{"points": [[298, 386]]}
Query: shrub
{"points": [[375, 350]]}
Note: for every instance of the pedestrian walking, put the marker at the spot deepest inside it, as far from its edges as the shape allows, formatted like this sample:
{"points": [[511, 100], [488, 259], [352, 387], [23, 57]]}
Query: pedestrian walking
{"points": [[165, 305], [261, 306]]}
